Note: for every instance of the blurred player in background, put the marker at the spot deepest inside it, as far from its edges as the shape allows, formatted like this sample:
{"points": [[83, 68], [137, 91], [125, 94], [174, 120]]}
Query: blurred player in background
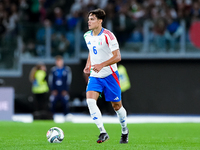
{"points": [[124, 78], [101, 65], [38, 78], [60, 79]]}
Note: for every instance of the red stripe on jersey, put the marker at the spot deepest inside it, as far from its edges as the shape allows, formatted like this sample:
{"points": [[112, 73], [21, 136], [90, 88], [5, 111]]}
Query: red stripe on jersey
{"points": [[106, 40], [115, 76], [109, 34]]}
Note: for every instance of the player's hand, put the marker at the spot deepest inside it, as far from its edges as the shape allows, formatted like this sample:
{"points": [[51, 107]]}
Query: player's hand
{"points": [[54, 92], [97, 67], [86, 70], [64, 93]]}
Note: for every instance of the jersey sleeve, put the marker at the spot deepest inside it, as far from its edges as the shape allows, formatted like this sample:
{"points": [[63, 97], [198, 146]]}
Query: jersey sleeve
{"points": [[111, 41], [86, 34]]}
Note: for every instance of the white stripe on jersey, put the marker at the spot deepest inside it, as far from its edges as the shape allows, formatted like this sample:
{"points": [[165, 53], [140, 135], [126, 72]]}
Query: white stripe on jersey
{"points": [[100, 49]]}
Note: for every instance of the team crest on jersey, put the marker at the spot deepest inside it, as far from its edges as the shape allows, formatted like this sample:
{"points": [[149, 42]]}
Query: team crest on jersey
{"points": [[100, 42]]}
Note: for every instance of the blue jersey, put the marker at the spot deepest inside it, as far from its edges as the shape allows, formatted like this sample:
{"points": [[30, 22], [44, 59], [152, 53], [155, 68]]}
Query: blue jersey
{"points": [[60, 78]]}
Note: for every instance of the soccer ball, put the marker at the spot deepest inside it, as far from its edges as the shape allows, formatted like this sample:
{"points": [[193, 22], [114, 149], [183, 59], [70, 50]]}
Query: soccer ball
{"points": [[55, 135]]}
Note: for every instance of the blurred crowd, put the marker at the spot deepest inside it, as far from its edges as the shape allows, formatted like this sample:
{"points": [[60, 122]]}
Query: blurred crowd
{"points": [[125, 18], [30, 19]]}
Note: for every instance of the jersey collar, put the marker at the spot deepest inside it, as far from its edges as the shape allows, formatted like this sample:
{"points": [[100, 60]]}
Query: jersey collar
{"points": [[99, 32]]}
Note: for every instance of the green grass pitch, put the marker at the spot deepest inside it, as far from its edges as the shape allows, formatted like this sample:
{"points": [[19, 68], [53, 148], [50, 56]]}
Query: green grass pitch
{"points": [[163, 136]]}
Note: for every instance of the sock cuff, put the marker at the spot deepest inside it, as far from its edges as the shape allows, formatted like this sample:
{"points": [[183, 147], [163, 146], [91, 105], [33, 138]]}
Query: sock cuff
{"points": [[121, 109], [91, 101]]}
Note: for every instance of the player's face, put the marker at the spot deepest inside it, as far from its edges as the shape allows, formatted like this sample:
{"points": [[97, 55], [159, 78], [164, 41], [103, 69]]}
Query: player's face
{"points": [[93, 22], [43, 67], [59, 63]]}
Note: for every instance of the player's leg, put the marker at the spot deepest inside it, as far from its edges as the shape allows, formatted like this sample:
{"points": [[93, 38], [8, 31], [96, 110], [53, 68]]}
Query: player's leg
{"points": [[36, 105], [53, 100], [112, 93], [42, 101], [95, 113], [65, 103], [94, 87], [122, 115]]}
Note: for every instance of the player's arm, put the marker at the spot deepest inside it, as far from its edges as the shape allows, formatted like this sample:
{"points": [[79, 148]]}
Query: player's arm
{"points": [[87, 66], [67, 79], [50, 80], [114, 59], [51, 83]]}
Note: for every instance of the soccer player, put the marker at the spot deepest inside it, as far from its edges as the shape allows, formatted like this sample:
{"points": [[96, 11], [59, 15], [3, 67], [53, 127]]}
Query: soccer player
{"points": [[59, 81], [101, 65]]}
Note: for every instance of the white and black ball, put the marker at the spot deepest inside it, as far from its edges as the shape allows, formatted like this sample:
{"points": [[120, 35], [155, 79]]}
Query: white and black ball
{"points": [[55, 135]]}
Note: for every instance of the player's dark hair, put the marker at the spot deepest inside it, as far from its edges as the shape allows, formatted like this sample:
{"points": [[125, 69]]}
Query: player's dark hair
{"points": [[58, 57], [99, 13]]}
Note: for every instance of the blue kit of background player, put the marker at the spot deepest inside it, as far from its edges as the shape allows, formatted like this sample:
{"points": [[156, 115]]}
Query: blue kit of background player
{"points": [[59, 82]]}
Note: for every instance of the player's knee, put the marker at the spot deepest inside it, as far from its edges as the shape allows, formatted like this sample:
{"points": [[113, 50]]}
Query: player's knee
{"points": [[52, 98], [90, 102], [66, 97], [116, 107]]}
